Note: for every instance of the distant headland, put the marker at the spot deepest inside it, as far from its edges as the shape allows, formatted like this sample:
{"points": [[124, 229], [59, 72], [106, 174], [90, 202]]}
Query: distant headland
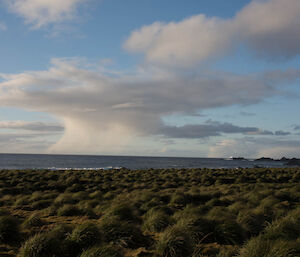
{"points": [[287, 161]]}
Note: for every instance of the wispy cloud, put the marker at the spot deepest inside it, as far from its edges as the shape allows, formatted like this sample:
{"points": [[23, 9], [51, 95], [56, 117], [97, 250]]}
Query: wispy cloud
{"points": [[31, 126], [271, 28], [24, 143], [40, 13], [28, 136]]}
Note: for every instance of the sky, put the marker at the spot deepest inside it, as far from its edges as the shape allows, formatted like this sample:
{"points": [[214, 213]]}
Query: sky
{"points": [[195, 78]]}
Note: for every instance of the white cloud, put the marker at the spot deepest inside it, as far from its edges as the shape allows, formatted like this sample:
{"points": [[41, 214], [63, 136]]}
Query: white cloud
{"points": [[41, 13], [183, 43], [271, 28], [107, 112]]}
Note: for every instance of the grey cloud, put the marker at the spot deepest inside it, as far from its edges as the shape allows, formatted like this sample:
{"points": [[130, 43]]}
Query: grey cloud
{"points": [[288, 77], [274, 142], [202, 130], [101, 111], [189, 131], [279, 76], [260, 132], [28, 137], [31, 126], [213, 128], [23, 137], [8, 137], [24, 143], [271, 27]]}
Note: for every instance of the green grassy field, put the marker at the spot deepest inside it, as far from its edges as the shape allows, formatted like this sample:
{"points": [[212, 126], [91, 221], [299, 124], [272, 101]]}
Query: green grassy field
{"points": [[187, 212]]}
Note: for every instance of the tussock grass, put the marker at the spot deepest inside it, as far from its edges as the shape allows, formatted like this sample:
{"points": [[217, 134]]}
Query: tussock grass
{"points": [[266, 248], [156, 221], [69, 210], [86, 235], [176, 241], [155, 212], [41, 245], [34, 220], [121, 233]]}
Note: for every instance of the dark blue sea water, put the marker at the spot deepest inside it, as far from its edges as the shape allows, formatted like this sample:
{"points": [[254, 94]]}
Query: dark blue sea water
{"points": [[37, 161]]}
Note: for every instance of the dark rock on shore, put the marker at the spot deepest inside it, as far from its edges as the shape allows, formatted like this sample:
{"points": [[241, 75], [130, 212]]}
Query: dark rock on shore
{"points": [[293, 162], [264, 159], [286, 161]]}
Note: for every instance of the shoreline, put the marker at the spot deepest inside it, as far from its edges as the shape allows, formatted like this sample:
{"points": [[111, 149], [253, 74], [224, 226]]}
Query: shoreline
{"points": [[146, 169], [54, 162]]}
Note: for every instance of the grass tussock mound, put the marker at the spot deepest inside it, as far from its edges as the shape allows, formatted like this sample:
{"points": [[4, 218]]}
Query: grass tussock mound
{"points": [[261, 247], [156, 212], [156, 221], [41, 245], [86, 235], [121, 233], [176, 241]]}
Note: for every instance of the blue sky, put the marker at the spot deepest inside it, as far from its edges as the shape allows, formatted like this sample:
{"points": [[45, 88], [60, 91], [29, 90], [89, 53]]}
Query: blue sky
{"points": [[165, 78]]}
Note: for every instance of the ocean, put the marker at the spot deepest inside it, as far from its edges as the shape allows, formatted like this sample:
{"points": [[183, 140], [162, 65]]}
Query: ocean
{"points": [[64, 162]]}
